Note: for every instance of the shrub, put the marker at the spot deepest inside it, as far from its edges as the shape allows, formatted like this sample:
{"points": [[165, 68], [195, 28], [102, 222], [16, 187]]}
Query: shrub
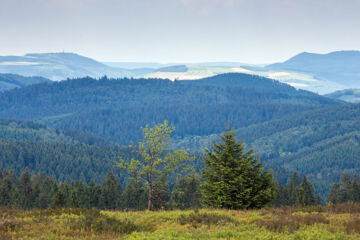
{"points": [[353, 225], [9, 225], [102, 223], [349, 207], [291, 222], [195, 219]]}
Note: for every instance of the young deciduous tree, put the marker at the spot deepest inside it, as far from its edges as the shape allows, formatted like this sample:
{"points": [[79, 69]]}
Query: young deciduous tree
{"points": [[155, 159], [234, 178]]}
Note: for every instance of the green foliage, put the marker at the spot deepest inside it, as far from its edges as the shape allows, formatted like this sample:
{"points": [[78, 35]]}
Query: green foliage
{"points": [[233, 178], [94, 221], [111, 192], [65, 161], [296, 193], [347, 190], [117, 108], [155, 162], [186, 193], [59, 199], [135, 196]]}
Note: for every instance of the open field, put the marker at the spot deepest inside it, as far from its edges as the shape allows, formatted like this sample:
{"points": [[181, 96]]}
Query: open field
{"points": [[332, 222]]}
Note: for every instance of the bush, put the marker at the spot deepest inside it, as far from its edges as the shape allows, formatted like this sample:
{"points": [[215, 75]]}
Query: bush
{"points": [[349, 207], [101, 223], [353, 225], [291, 222], [196, 219]]}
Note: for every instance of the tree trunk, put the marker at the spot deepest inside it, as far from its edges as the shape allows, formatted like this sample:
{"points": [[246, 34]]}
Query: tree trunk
{"points": [[149, 192]]}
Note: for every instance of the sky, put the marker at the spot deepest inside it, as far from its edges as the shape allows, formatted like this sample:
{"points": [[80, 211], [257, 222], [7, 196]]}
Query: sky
{"points": [[247, 31]]}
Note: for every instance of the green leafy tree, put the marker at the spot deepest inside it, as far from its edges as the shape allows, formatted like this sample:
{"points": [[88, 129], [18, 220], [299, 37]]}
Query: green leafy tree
{"points": [[155, 159], [235, 179]]}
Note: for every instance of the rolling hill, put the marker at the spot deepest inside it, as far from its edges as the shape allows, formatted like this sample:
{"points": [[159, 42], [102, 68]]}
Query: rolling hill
{"points": [[347, 95], [341, 67], [58, 66], [116, 109], [10, 81]]}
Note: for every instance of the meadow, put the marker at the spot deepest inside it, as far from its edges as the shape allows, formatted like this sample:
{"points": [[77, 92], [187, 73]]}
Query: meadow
{"points": [[330, 222]]}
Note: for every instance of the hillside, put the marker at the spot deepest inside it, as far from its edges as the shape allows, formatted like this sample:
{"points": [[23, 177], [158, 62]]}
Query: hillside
{"points": [[116, 109], [10, 81], [347, 95], [15, 130], [321, 143], [342, 67], [58, 66]]}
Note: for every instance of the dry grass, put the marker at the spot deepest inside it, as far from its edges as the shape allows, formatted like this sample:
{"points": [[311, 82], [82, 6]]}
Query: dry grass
{"points": [[332, 222]]}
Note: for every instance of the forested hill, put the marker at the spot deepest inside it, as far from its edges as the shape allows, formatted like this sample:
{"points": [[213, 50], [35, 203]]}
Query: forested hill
{"points": [[10, 81], [255, 82], [16, 130], [117, 108], [321, 143]]}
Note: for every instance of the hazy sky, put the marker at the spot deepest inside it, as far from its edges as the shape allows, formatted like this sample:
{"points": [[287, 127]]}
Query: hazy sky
{"points": [[252, 31]]}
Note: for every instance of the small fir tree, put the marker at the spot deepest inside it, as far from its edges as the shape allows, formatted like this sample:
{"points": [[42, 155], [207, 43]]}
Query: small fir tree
{"points": [[235, 179]]}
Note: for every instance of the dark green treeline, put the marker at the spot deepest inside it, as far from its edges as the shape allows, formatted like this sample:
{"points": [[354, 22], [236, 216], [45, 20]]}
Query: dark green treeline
{"points": [[40, 191]]}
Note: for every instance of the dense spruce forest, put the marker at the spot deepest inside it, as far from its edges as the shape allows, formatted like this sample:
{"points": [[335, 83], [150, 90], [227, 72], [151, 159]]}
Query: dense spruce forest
{"points": [[122, 106], [82, 125]]}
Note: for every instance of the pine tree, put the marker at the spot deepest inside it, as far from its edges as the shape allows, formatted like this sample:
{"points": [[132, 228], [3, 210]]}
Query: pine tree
{"points": [[186, 193], [161, 194], [292, 189], [135, 196], [25, 191], [306, 193], [6, 189], [59, 199], [333, 197], [281, 196], [111, 192], [235, 179]]}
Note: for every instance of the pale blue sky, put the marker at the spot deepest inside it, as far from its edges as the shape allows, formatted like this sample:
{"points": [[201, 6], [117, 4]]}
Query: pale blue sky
{"points": [[252, 31]]}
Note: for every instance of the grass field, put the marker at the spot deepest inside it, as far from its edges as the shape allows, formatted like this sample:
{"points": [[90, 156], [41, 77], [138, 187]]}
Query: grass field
{"points": [[332, 222]]}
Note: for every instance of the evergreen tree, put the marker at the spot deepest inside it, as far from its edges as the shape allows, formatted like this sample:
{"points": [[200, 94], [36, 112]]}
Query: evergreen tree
{"points": [[186, 193], [59, 199], [281, 196], [161, 194], [292, 190], [234, 178], [306, 193], [135, 196], [346, 190], [6, 189], [25, 199], [111, 192]]}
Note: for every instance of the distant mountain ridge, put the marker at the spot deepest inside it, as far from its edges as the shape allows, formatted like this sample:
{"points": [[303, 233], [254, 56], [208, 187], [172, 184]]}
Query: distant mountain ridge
{"points": [[58, 66], [348, 95], [342, 67]]}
